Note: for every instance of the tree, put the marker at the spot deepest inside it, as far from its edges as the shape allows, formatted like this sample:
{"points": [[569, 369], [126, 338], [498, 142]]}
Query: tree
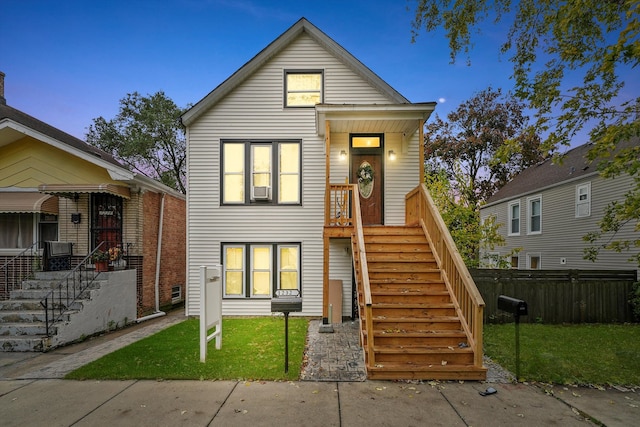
{"points": [[553, 43], [463, 220], [482, 145], [147, 136]]}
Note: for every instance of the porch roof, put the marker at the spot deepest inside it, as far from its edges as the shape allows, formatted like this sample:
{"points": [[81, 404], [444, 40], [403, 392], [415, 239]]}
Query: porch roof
{"points": [[372, 118], [28, 202], [68, 190]]}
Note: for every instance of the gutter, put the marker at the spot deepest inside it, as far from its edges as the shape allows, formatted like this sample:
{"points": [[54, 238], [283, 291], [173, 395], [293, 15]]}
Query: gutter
{"points": [[157, 313]]}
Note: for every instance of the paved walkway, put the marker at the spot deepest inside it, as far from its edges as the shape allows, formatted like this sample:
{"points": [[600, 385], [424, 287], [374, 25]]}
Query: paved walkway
{"points": [[333, 392]]}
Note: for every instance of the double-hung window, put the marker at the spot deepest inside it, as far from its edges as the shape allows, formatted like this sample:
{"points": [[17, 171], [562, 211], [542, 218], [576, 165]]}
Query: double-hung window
{"points": [[257, 270], [266, 172], [303, 88], [583, 200], [535, 215], [514, 218]]}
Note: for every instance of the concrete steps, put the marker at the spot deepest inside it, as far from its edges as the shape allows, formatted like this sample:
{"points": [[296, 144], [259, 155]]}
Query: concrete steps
{"points": [[22, 317]]}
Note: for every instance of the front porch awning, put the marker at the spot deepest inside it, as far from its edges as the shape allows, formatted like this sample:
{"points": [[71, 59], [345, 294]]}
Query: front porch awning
{"points": [[70, 190], [28, 202], [372, 118]]}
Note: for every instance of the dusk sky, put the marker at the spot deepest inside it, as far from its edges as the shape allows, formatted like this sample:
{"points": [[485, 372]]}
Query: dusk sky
{"points": [[68, 62]]}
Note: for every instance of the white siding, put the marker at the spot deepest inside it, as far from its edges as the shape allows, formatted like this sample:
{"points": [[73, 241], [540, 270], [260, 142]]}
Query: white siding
{"points": [[562, 232], [255, 110]]}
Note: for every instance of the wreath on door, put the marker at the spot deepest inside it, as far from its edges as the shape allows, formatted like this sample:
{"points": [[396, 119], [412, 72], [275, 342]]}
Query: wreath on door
{"points": [[365, 179]]}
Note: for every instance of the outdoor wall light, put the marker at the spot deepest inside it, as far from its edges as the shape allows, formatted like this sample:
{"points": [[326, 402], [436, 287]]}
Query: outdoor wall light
{"points": [[343, 155], [392, 155]]}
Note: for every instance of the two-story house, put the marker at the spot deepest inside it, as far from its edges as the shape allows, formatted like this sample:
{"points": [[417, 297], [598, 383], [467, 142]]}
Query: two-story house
{"points": [[547, 209], [304, 173]]}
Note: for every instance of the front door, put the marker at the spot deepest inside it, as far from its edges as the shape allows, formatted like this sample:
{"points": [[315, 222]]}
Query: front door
{"points": [[367, 173]]}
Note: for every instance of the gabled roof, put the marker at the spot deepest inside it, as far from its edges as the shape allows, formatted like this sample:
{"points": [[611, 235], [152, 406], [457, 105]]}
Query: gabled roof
{"points": [[302, 26], [10, 114], [547, 174], [15, 124]]}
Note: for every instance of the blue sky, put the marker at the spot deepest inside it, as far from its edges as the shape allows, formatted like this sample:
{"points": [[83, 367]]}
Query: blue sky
{"points": [[68, 62]]}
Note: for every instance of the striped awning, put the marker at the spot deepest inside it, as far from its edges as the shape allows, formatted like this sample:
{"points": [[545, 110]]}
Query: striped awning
{"points": [[69, 190], [28, 202]]}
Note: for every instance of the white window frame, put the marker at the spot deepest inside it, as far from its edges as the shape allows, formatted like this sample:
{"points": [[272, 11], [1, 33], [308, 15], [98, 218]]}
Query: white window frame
{"points": [[583, 203], [530, 202], [534, 255], [511, 218], [287, 73]]}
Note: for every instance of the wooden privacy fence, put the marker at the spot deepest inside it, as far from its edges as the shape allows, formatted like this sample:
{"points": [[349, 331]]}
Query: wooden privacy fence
{"points": [[559, 296]]}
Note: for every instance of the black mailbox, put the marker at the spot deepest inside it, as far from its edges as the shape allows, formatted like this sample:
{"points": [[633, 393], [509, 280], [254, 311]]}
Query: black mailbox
{"points": [[514, 306], [286, 301], [286, 304]]}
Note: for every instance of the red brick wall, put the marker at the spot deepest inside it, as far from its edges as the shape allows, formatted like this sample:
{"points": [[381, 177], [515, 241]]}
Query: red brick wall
{"points": [[173, 249]]}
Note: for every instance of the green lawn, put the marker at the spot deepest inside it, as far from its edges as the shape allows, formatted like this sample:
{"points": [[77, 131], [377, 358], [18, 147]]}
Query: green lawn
{"points": [[569, 354], [252, 349]]}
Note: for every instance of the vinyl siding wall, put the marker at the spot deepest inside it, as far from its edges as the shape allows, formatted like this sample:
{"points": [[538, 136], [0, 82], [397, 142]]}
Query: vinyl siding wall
{"points": [[254, 110], [562, 232]]}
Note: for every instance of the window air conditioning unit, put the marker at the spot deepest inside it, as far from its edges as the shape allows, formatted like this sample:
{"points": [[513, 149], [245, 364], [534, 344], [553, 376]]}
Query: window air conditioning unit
{"points": [[176, 294], [261, 193]]}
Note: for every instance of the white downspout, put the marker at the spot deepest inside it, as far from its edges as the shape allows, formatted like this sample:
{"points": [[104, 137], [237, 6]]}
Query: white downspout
{"points": [[157, 313]]}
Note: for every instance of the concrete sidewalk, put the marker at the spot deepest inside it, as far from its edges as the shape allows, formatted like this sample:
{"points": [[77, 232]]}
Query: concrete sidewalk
{"points": [[31, 393]]}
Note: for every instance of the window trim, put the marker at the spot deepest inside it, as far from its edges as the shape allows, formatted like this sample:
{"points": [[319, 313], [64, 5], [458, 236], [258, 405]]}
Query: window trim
{"points": [[248, 172], [248, 269], [511, 218], [530, 200], [534, 255], [302, 71], [587, 202]]}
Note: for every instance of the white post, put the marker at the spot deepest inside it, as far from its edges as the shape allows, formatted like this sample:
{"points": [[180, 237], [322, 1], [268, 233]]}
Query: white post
{"points": [[210, 308]]}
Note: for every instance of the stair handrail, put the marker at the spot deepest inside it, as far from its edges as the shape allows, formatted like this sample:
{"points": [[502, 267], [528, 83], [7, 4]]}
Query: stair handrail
{"points": [[75, 276], [358, 236], [6, 267], [421, 210]]}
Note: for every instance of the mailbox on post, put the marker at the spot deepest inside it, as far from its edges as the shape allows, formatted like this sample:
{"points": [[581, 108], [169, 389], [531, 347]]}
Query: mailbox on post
{"points": [[515, 306], [518, 308], [286, 301]]}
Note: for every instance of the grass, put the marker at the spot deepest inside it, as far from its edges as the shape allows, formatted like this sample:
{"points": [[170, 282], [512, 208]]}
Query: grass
{"points": [[252, 349], [596, 354]]}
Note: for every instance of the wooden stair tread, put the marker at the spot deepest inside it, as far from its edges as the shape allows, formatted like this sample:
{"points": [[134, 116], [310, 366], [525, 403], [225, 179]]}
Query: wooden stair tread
{"points": [[414, 349], [447, 333], [420, 292], [426, 319], [401, 305], [449, 367]]}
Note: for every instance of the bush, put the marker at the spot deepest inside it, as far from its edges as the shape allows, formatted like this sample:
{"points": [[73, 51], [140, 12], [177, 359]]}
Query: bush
{"points": [[634, 300]]}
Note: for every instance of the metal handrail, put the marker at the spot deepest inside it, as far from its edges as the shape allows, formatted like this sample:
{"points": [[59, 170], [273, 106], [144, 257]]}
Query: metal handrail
{"points": [[10, 265], [54, 304]]}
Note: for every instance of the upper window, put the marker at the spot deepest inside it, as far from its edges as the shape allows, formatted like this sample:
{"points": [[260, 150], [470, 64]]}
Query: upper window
{"points": [[583, 200], [303, 88], [261, 172], [514, 218], [535, 215], [258, 270]]}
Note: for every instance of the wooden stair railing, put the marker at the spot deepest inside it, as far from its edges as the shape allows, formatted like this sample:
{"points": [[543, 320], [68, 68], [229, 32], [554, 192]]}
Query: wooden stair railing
{"points": [[362, 277], [421, 210]]}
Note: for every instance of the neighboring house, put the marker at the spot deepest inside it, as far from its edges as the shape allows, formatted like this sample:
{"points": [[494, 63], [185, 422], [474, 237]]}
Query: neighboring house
{"points": [[55, 187], [545, 211], [271, 152]]}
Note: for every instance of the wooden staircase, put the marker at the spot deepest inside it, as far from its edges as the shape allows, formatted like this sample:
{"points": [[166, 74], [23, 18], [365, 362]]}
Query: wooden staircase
{"points": [[416, 329]]}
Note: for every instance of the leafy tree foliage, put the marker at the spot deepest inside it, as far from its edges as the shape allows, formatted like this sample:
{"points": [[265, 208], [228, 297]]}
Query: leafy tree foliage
{"points": [[551, 44], [463, 220], [482, 145], [147, 136]]}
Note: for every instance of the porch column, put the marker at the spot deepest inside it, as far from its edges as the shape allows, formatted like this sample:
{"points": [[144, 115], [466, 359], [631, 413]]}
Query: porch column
{"points": [[325, 240], [422, 159]]}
